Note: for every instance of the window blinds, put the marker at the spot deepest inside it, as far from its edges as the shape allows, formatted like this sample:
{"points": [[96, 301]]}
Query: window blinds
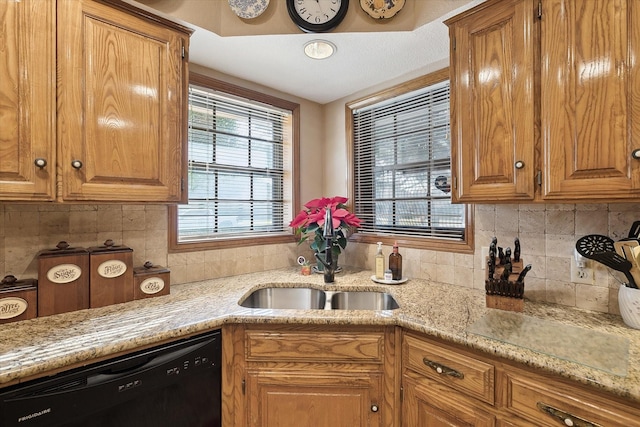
{"points": [[402, 169], [235, 168]]}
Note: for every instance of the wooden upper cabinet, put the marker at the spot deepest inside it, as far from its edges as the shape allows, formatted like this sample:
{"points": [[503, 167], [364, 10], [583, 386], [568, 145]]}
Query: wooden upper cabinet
{"points": [[590, 119], [492, 102], [544, 101], [27, 99], [122, 92]]}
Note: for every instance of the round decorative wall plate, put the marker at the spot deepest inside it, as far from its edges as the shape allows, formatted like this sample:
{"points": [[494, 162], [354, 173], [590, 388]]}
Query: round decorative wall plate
{"points": [[248, 9], [382, 9]]}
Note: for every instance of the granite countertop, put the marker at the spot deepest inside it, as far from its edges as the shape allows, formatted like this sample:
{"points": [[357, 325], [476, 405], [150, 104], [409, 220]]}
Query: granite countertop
{"points": [[543, 336]]}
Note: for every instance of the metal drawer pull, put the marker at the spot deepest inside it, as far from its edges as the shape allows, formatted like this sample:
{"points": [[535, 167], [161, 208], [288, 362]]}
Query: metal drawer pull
{"points": [[442, 369], [565, 417]]}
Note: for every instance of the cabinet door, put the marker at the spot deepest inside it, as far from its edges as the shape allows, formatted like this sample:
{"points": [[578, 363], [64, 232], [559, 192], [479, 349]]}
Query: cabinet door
{"points": [[296, 399], [492, 102], [589, 95], [27, 99], [429, 404], [121, 98]]}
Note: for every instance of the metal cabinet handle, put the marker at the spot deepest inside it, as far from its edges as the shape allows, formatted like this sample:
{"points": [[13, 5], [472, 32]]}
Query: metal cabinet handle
{"points": [[76, 164], [519, 164], [40, 162], [442, 369], [636, 154], [374, 408], [566, 418]]}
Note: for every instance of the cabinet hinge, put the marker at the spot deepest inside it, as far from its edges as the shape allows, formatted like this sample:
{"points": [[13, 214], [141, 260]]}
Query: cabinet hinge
{"points": [[183, 52], [244, 386], [181, 184], [455, 182], [539, 9], [539, 178], [453, 43], [401, 394]]}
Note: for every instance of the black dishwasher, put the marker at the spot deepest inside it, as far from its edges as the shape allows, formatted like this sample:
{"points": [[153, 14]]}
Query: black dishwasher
{"points": [[177, 384]]}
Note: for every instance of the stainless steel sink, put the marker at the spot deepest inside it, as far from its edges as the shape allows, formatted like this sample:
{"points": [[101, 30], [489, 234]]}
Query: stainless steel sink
{"points": [[304, 298], [361, 300], [291, 298]]}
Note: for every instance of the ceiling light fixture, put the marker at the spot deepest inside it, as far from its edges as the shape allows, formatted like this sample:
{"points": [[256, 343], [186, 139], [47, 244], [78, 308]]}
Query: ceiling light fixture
{"points": [[319, 49]]}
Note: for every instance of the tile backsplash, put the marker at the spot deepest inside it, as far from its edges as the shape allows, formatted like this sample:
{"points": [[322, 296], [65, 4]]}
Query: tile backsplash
{"points": [[547, 233]]}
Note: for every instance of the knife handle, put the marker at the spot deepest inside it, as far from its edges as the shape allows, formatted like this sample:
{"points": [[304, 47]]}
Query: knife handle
{"points": [[516, 250]]}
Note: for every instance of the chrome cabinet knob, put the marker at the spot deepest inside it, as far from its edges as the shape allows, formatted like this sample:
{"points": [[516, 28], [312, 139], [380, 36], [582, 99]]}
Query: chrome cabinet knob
{"points": [[519, 164], [374, 408], [636, 154], [76, 164], [40, 162]]}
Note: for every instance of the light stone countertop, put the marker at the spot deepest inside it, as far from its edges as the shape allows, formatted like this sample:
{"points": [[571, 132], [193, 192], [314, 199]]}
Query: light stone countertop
{"points": [[31, 348]]}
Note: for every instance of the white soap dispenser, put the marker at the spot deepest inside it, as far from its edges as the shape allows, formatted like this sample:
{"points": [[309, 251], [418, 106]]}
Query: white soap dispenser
{"points": [[379, 263]]}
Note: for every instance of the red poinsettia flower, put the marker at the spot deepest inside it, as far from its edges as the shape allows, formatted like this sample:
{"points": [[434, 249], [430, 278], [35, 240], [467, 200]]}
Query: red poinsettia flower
{"points": [[311, 220]]}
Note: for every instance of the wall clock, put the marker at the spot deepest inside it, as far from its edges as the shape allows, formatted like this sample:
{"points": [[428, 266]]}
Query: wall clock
{"points": [[317, 16], [382, 9]]}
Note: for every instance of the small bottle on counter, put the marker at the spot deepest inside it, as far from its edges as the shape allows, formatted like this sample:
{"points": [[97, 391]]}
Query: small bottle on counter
{"points": [[379, 263], [387, 275], [395, 263]]}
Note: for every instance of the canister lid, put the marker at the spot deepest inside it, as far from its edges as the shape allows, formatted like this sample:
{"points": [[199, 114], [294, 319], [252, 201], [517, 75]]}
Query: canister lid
{"points": [[11, 284], [149, 268], [62, 248], [109, 247]]}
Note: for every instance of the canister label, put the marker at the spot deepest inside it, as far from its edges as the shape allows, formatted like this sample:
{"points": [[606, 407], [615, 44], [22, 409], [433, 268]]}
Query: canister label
{"points": [[152, 285], [12, 307], [64, 273], [112, 268]]}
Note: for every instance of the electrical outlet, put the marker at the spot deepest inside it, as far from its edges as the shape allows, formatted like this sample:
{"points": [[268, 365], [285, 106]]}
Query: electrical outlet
{"points": [[484, 253], [581, 274]]}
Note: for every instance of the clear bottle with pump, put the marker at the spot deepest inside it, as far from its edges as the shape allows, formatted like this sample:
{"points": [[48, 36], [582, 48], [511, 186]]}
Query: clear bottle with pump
{"points": [[379, 263], [395, 263]]}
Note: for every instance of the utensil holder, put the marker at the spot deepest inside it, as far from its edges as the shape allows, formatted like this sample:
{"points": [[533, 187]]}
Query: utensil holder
{"points": [[629, 302]]}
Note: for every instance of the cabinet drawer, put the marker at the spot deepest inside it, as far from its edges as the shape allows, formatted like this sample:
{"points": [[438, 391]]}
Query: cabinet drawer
{"points": [[314, 346], [461, 372], [539, 402]]}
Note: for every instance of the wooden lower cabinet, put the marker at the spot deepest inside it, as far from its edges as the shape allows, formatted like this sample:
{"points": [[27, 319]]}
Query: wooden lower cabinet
{"points": [[342, 376], [313, 399], [429, 404], [309, 376], [547, 401]]}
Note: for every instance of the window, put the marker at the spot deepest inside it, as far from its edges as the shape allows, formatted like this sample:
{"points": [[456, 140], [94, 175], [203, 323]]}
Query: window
{"points": [[240, 166], [402, 167]]}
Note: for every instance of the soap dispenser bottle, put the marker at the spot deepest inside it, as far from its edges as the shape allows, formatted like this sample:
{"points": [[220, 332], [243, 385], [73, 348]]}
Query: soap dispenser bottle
{"points": [[395, 263], [379, 263]]}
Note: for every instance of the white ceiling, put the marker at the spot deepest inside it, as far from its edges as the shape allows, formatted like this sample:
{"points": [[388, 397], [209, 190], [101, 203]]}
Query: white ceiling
{"points": [[363, 60]]}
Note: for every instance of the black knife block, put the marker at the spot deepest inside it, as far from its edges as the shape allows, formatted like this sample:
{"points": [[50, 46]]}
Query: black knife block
{"points": [[505, 294]]}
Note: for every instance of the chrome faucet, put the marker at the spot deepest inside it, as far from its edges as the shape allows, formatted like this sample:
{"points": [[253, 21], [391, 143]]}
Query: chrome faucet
{"points": [[329, 236]]}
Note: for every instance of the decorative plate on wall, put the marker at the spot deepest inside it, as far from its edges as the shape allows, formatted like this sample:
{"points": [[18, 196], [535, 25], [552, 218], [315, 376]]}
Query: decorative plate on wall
{"points": [[382, 9], [248, 9]]}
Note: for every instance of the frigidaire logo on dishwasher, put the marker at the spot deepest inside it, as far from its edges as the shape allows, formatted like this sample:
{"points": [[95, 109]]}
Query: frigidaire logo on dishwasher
{"points": [[34, 415]]}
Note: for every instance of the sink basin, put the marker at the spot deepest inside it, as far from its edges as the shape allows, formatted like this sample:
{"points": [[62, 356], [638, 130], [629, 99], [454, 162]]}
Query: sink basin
{"points": [[291, 298], [361, 300]]}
